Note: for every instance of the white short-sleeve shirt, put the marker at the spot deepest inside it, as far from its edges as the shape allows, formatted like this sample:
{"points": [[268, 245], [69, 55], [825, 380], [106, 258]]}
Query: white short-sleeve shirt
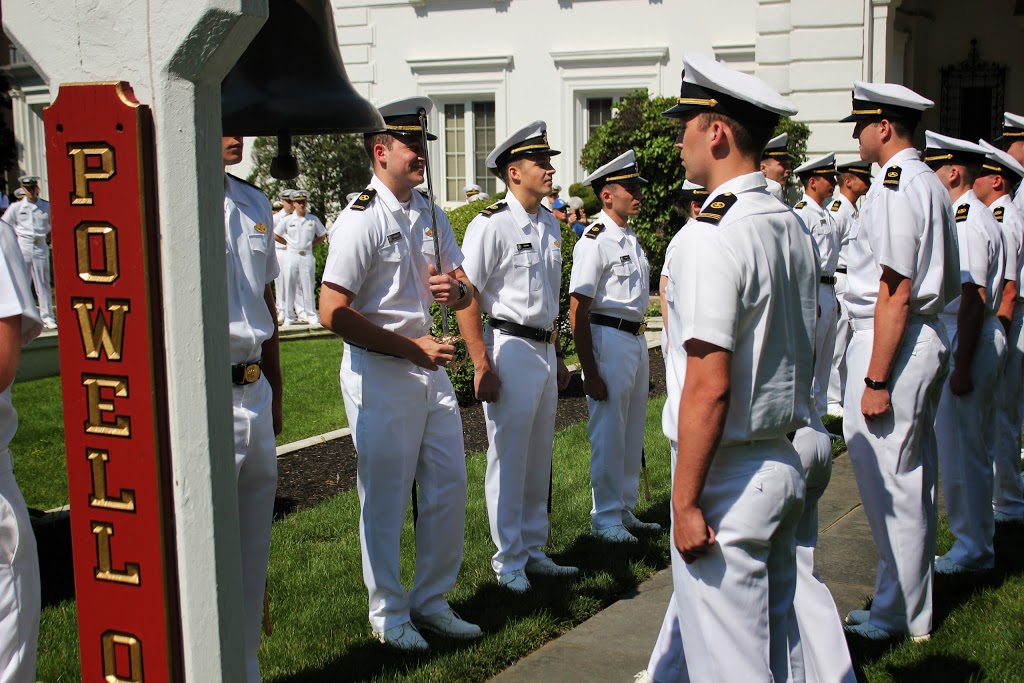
{"points": [[610, 267], [823, 230], [381, 254], [300, 231], [847, 218], [15, 299], [251, 266], [748, 285], [982, 257], [30, 220], [906, 225], [515, 262], [1018, 198], [1011, 221]]}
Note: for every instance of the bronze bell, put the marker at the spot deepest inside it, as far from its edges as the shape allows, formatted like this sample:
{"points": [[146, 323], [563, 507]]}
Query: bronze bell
{"points": [[291, 81]]}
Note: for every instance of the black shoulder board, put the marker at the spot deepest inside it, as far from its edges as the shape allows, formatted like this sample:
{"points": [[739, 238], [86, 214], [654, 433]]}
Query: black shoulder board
{"points": [[246, 182], [594, 230], [998, 213], [836, 204], [717, 208], [892, 178], [800, 204], [363, 200], [961, 212], [494, 208]]}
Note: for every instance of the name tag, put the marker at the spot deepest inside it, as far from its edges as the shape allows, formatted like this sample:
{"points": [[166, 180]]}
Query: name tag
{"points": [[394, 237], [626, 259], [525, 246]]}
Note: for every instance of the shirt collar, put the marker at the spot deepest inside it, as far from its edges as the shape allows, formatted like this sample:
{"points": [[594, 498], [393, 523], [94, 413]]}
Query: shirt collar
{"points": [[611, 226], [416, 201], [807, 198], [522, 218], [968, 197], [743, 183], [908, 154], [1002, 201]]}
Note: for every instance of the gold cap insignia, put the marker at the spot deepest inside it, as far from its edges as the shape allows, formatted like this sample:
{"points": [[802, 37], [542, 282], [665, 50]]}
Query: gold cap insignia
{"points": [[260, 228]]}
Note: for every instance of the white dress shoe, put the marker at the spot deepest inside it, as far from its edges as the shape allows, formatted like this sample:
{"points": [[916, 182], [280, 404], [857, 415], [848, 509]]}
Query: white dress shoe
{"points": [[643, 677], [615, 534], [857, 616], [514, 581], [947, 567], [448, 623], [548, 567], [404, 637], [871, 632], [631, 523]]}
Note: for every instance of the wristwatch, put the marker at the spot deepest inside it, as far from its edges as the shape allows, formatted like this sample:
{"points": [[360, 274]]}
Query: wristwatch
{"points": [[463, 290], [872, 384]]}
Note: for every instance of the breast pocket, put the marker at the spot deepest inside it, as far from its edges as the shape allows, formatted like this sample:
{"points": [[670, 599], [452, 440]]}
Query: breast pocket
{"points": [[258, 243], [393, 252], [527, 270], [627, 276]]}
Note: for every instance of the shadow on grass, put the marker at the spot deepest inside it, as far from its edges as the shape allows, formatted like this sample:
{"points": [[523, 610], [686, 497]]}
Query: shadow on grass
{"points": [[950, 593], [606, 576]]}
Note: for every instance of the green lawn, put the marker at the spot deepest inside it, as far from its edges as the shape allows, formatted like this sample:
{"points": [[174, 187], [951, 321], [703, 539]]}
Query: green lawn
{"points": [[312, 405], [319, 602]]}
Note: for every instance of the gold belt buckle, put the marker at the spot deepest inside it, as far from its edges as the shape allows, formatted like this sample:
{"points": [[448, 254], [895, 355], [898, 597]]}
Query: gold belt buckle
{"points": [[252, 373], [643, 328], [302, 252], [552, 336]]}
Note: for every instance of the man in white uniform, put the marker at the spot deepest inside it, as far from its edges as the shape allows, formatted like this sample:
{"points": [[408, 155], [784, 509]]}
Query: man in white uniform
{"points": [[903, 270], [854, 182], [19, 585], [513, 255], [30, 218], [745, 277], [300, 232], [965, 421], [475, 193], [818, 177], [776, 163], [999, 174], [1012, 142], [378, 285], [287, 208], [256, 374], [610, 292]]}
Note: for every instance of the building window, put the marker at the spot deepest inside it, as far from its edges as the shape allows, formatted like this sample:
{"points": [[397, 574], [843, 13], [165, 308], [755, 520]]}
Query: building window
{"points": [[973, 95], [469, 136], [599, 110]]}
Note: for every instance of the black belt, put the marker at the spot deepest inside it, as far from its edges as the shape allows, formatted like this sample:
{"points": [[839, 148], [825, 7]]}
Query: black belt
{"points": [[517, 330], [841, 269], [828, 280], [379, 353], [246, 373], [630, 326]]}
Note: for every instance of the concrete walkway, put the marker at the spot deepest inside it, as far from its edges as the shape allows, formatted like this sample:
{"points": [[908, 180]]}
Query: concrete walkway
{"points": [[615, 644]]}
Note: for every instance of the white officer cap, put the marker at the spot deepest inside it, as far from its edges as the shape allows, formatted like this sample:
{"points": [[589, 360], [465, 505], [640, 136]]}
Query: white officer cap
{"points": [[286, 194], [19, 193], [823, 165], [350, 196], [710, 86], [471, 190], [874, 101], [860, 168], [299, 195], [940, 150], [693, 191], [998, 161], [622, 170], [778, 148], [277, 205], [402, 116], [28, 180], [528, 140], [1013, 127]]}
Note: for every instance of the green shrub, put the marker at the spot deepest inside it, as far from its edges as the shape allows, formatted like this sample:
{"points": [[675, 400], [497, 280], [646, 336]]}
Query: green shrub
{"points": [[591, 204]]}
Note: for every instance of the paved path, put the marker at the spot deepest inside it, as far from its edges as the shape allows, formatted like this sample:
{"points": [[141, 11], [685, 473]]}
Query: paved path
{"points": [[616, 643]]}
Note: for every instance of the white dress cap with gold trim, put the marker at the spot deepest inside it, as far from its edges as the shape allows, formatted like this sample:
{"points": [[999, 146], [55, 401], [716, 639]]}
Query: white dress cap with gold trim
{"points": [[778, 147], [530, 139], [823, 165], [1013, 126], [882, 100], [28, 180], [1004, 161], [402, 116], [940, 150], [622, 170], [472, 190]]}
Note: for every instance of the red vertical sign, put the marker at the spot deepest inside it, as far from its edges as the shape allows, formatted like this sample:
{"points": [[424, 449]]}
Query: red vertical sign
{"points": [[99, 154]]}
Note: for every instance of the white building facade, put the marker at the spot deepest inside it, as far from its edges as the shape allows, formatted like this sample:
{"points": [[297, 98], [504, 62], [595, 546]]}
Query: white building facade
{"points": [[492, 66]]}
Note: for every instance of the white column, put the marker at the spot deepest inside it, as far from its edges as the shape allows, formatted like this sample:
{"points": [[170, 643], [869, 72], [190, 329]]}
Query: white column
{"points": [[175, 54], [883, 31]]}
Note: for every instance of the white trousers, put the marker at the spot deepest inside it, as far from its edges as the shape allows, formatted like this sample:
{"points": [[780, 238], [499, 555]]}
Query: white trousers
{"points": [[896, 465], [279, 281], [824, 344], [826, 656], [37, 264], [735, 604], [617, 424], [1009, 409], [837, 378], [298, 270], [256, 474], [964, 436], [406, 426], [521, 432], [19, 582]]}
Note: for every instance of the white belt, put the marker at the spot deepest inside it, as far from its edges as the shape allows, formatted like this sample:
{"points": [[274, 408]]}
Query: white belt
{"points": [[912, 319]]}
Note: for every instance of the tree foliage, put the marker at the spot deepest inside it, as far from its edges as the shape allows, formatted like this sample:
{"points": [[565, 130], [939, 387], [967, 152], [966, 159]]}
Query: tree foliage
{"points": [[641, 127], [330, 166]]}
